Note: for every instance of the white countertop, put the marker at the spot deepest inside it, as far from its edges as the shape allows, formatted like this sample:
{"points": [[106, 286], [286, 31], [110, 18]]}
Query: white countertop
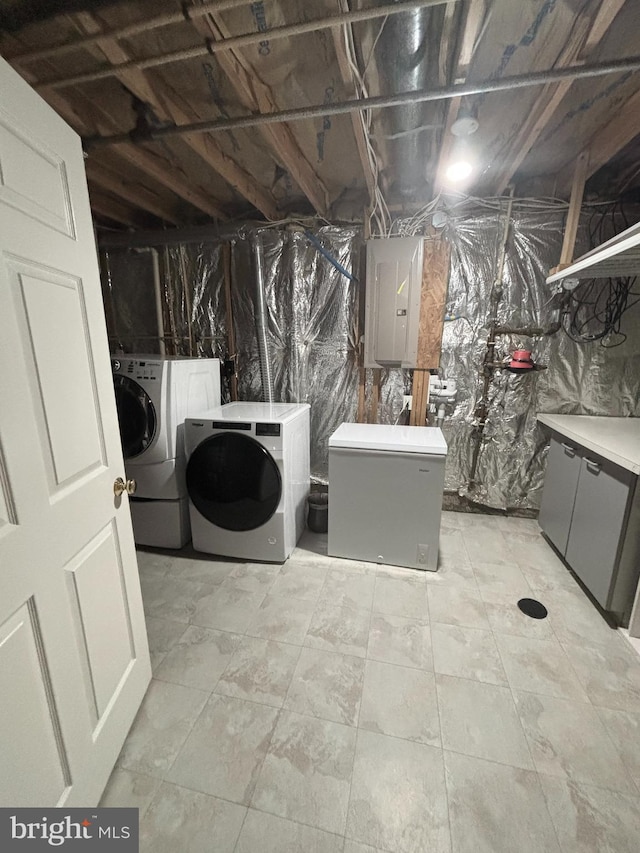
{"points": [[615, 439]]}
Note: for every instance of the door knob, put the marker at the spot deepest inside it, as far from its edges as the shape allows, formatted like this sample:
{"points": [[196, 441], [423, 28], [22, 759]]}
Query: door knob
{"points": [[120, 487]]}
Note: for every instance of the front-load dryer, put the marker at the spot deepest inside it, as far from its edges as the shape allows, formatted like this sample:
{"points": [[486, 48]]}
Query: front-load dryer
{"points": [[248, 479], [154, 395]]}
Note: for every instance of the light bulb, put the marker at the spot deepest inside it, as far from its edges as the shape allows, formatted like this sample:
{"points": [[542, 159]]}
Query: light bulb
{"points": [[459, 170]]}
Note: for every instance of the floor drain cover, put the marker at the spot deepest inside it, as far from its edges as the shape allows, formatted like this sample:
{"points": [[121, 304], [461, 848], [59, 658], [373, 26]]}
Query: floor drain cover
{"points": [[533, 608]]}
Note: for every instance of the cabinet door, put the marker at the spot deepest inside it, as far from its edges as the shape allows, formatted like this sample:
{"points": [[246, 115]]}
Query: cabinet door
{"points": [[558, 496], [597, 524]]}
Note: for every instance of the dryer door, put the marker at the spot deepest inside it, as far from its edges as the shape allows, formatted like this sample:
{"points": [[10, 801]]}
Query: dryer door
{"points": [[136, 416], [233, 481]]}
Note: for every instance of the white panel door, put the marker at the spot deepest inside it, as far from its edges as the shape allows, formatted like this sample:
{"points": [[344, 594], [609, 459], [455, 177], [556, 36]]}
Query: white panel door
{"points": [[74, 660]]}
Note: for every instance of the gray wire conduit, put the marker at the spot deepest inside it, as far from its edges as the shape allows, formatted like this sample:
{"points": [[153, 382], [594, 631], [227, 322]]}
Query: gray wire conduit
{"points": [[262, 317]]}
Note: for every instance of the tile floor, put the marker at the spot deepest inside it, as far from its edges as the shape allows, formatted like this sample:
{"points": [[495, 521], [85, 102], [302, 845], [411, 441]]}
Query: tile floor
{"points": [[330, 706]]}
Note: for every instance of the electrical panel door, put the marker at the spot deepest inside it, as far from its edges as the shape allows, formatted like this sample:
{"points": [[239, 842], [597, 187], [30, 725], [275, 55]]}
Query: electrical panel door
{"points": [[392, 311]]}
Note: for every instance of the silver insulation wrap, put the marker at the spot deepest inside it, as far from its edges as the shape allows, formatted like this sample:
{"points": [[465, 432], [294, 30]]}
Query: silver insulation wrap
{"points": [[311, 331], [310, 311]]}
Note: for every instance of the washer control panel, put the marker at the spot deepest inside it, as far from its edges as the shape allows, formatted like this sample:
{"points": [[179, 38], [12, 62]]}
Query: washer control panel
{"points": [[138, 368]]}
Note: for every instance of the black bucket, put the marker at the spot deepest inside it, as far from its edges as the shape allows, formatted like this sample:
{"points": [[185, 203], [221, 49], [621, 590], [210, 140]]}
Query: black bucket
{"points": [[318, 517]]}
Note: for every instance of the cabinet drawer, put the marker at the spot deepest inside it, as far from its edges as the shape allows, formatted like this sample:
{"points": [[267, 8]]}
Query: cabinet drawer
{"points": [[599, 518]]}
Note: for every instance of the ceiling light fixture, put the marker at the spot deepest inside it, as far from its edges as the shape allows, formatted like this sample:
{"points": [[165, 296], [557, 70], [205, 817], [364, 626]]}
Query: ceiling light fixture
{"points": [[459, 170], [465, 126]]}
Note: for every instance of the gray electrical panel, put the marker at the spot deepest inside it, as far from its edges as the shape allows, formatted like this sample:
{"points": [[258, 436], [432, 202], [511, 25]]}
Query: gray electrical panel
{"points": [[392, 310]]}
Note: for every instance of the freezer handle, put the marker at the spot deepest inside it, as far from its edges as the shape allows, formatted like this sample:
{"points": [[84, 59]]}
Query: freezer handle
{"points": [[400, 454]]}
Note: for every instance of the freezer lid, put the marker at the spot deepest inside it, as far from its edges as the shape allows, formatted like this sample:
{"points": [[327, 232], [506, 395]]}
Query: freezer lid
{"points": [[403, 439]]}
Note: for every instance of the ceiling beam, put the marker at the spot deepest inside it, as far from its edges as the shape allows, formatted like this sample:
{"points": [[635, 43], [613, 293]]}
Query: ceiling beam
{"points": [[169, 106], [145, 25], [162, 170], [91, 118], [606, 14], [113, 209], [257, 97], [446, 40], [586, 34], [134, 193], [357, 118], [158, 167]]}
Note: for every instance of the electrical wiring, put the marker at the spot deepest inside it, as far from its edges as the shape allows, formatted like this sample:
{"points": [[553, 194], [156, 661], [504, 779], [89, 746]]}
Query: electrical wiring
{"points": [[379, 217], [596, 307], [456, 205]]}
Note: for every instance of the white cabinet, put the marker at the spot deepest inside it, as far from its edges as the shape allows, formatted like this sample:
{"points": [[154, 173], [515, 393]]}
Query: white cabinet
{"points": [[590, 512]]}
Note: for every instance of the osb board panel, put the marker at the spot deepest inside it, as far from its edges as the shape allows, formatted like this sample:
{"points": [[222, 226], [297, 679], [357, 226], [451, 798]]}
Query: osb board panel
{"points": [[433, 297]]}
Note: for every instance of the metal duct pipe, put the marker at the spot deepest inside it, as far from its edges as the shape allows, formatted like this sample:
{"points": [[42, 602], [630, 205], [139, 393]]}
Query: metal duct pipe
{"points": [[520, 81], [406, 65], [261, 322]]}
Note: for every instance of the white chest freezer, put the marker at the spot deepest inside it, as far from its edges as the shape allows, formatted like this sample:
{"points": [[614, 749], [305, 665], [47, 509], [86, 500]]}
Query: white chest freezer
{"points": [[385, 494]]}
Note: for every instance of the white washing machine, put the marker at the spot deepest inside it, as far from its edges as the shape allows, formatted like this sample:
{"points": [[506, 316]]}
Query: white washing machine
{"points": [[248, 479], [385, 494], [153, 396]]}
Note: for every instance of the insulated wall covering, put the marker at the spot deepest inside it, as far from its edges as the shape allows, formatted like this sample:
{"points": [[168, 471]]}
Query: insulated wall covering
{"points": [[312, 338]]}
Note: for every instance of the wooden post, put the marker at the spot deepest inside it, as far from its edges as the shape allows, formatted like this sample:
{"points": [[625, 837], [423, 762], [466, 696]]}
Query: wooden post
{"points": [[231, 332], [375, 396], [575, 204], [420, 393], [361, 395]]}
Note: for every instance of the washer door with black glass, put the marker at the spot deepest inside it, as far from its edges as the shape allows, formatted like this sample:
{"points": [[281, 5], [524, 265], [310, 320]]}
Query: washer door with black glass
{"points": [[233, 481], [136, 416]]}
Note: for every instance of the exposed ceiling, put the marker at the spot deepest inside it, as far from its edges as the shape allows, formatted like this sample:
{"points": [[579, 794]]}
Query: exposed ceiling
{"points": [[149, 67]]}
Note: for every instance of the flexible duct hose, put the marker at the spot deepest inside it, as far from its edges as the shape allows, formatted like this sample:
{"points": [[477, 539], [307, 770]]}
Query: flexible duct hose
{"points": [[261, 322]]}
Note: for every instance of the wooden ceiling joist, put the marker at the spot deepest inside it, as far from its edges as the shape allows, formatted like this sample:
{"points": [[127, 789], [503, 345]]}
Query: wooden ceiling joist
{"points": [[585, 36], [136, 194], [114, 210], [607, 12], [162, 171], [159, 169], [359, 132], [168, 106], [257, 97]]}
